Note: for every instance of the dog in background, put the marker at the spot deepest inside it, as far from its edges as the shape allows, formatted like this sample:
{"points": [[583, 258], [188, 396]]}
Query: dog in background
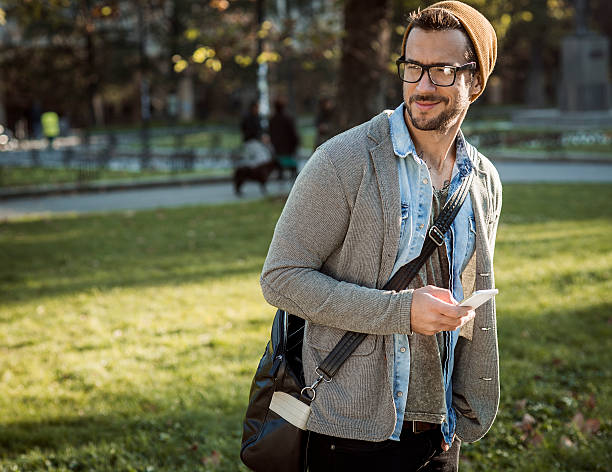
{"points": [[254, 163], [260, 173]]}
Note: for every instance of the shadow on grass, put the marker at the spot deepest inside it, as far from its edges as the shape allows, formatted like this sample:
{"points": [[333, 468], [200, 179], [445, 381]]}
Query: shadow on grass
{"points": [[187, 427], [529, 203], [65, 255], [551, 329], [185, 441], [149, 248], [554, 364]]}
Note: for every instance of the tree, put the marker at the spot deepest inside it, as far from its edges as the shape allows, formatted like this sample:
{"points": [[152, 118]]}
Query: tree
{"points": [[365, 56]]}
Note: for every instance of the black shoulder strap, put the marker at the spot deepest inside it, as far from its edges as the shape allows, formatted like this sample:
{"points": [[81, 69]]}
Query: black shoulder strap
{"points": [[400, 280]]}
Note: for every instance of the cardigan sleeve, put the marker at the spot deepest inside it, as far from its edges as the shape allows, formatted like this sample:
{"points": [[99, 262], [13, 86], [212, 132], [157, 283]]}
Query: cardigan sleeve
{"points": [[312, 226]]}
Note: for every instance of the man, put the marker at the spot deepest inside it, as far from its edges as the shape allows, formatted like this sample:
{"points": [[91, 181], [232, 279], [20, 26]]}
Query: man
{"points": [[251, 123], [285, 139], [426, 377], [323, 121]]}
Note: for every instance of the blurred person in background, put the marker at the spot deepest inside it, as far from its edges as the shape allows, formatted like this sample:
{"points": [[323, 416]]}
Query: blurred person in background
{"points": [[426, 377], [324, 121], [50, 126], [284, 138], [254, 160], [251, 123]]}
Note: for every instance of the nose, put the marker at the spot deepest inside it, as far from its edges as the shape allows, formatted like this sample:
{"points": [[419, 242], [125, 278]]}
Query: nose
{"points": [[425, 84]]}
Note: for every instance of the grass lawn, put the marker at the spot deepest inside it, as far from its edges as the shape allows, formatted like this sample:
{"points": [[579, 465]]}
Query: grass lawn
{"points": [[12, 177], [129, 339]]}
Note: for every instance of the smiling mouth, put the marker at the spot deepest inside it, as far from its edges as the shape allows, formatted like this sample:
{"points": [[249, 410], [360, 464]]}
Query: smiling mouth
{"points": [[424, 106], [426, 102]]}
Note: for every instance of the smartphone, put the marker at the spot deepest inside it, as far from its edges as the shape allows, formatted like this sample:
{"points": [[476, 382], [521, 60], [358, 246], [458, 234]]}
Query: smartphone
{"points": [[479, 297]]}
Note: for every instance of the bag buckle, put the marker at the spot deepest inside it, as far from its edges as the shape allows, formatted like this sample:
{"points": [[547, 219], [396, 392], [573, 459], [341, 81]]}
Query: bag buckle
{"points": [[306, 392], [436, 235]]}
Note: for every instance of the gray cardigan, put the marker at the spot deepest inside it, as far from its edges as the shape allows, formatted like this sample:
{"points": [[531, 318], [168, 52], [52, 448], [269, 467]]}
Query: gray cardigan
{"points": [[333, 250]]}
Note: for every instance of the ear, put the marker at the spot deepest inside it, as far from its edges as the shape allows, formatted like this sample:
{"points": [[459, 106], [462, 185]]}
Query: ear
{"points": [[476, 85]]}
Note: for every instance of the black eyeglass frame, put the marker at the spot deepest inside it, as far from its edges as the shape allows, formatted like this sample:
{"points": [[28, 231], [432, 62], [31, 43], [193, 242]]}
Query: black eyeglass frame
{"points": [[402, 60]]}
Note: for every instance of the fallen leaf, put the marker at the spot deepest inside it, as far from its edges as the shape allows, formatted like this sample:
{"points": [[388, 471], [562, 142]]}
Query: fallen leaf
{"points": [[528, 419], [213, 459], [526, 424], [537, 439], [520, 404], [578, 420], [591, 426], [591, 401]]}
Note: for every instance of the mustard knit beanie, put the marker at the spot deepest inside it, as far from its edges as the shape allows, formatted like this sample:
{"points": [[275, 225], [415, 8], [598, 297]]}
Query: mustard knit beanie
{"points": [[479, 30]]}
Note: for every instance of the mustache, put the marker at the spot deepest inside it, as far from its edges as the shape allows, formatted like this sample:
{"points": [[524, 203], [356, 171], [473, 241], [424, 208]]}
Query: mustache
{"points": [[428, 98]]}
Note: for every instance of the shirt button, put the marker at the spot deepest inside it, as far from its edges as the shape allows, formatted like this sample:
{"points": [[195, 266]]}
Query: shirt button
{"points": [[425, 181], [402, 349], [399, 394], [421, 226]]}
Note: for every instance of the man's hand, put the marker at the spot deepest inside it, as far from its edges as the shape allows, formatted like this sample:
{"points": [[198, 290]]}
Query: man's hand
{"points": [[434, 309]]}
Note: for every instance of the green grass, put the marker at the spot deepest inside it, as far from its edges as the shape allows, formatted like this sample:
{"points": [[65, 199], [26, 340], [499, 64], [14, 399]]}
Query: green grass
{"points": [[225, 139], [11, 177], [129, 339]]}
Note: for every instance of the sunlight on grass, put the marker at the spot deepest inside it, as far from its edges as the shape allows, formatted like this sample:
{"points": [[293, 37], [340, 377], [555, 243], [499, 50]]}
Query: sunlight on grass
{"points": [[129, 339]]}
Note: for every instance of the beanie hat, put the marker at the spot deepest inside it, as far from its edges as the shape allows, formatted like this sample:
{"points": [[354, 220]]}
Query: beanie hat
{"points": [[479, 30]]}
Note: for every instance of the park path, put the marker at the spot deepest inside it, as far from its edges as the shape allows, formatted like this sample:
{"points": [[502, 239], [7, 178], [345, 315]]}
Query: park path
{"points": [[135, 199], [167, 197]]}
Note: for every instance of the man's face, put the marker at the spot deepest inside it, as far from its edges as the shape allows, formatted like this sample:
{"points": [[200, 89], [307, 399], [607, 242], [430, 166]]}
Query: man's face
{"points": [[430, 107]]}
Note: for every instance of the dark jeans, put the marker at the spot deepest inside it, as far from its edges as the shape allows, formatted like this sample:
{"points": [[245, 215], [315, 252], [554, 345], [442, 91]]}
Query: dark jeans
{"points": [[414, 452]]}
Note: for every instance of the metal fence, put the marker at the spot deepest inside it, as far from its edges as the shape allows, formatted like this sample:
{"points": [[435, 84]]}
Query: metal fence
{"points": [[88, 156]]}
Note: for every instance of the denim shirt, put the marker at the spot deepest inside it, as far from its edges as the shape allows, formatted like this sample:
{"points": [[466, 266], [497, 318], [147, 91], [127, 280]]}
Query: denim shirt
{"points": [[416, 201]]}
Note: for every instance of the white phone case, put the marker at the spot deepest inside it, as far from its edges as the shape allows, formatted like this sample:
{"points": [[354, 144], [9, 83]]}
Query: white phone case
{"points": [[479, 297]]}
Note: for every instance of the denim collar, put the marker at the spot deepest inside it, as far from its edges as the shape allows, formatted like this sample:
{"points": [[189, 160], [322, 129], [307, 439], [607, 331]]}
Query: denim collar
{"points": [[403, 145]]}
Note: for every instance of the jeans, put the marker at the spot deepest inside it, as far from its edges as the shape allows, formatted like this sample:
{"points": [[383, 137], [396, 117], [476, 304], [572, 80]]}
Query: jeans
{"points": [[413, 452]]}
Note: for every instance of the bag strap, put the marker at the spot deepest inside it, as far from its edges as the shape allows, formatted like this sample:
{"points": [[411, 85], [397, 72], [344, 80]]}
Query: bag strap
{"points": [[400, 280], [405, 274]]}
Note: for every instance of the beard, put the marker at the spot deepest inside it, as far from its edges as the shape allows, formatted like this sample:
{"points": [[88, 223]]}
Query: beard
{"points": [[444, 120]]}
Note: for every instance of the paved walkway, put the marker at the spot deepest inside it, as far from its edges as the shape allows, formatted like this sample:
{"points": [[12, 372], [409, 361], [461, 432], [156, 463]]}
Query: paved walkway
{"points": [[222, 192], [136, 199], [554, 172]]}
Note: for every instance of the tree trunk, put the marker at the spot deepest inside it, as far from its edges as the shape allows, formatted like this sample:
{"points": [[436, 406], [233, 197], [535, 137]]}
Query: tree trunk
{"points": [[365, 56]]}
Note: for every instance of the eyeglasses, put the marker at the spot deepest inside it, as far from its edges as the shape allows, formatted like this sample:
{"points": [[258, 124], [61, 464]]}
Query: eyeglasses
{"points": [[440, 75]]}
